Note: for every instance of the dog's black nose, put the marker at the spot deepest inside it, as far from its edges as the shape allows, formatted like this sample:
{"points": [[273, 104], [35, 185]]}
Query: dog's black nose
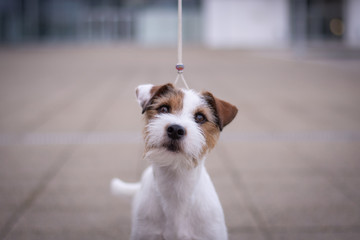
{"points": [[175, 131]]}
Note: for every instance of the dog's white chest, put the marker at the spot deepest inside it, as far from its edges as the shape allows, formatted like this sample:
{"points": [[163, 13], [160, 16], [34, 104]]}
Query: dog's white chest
{"points": [[181, 208]]}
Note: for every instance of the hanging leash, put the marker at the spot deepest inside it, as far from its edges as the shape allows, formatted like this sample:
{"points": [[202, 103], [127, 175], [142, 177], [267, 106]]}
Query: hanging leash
{"points": [[180, 66]]}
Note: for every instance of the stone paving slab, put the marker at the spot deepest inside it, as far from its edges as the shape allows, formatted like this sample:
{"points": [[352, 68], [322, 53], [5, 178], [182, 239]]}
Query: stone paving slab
{"points": [[321, 235], [286, 168], [77, 200]]}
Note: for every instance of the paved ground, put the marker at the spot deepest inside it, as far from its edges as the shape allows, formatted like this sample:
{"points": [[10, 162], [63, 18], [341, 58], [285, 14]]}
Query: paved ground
{"points": [[287, 167]]}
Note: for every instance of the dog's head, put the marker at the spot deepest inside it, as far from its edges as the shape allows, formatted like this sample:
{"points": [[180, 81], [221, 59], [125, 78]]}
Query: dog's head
{"points": [[181, 124]]}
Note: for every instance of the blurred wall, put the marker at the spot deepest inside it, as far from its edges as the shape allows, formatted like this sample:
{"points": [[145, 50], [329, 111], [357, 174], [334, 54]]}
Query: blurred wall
{"points": [[214, 23], [246, 23], [352, 23], [157, 26]]}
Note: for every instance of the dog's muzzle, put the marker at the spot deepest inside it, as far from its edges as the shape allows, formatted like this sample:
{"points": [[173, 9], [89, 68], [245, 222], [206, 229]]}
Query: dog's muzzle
{"points": [[176, 132]]}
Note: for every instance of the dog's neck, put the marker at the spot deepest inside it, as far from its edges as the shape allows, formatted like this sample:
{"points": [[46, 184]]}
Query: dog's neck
{"points": [[175, 175], [177, 184], [175, 188]]}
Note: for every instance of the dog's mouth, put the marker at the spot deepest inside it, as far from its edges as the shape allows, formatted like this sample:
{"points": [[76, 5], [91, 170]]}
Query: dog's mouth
{"points": [[173, 146]]}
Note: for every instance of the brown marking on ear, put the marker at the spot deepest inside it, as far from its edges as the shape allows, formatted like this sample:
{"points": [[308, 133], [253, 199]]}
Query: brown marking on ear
{"points": [[157, 91], [224, 111]]}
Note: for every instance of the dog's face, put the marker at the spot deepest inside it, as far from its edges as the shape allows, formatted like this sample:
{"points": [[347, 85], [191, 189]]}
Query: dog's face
{"points": [[181, 125]]}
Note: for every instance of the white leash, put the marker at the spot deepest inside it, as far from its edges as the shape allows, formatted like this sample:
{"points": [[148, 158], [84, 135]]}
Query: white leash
{"points": [[180, 65]]}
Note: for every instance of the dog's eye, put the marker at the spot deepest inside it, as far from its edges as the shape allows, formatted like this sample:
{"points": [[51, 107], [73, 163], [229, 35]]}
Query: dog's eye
{"points": [[164, 109], [200, 118]]}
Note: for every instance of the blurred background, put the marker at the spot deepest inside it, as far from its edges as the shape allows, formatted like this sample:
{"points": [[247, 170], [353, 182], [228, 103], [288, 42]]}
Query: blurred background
{"points": [[230, 23], [286, 168]]}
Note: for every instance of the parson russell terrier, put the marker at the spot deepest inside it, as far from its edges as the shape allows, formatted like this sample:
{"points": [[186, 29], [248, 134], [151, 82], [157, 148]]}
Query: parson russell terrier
{"points": [[176, 198]]}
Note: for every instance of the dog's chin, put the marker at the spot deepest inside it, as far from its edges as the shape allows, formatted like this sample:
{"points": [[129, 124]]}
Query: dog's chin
{"points": [[173, 147]]}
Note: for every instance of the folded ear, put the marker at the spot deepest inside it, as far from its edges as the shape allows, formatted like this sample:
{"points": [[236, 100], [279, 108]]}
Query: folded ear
{"points": [[224, 111], [147, 92], [143, 94]]}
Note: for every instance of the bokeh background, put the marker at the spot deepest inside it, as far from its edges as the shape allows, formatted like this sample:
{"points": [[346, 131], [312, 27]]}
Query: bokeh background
{"points": [[286, 168], [230, 23]]}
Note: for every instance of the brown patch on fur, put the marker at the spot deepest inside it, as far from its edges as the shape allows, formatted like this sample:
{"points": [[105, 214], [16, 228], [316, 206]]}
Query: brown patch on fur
{"points": [[209, 128], [195, 162], [224, 111], [173, 98], [156, 91], [211, 134]]}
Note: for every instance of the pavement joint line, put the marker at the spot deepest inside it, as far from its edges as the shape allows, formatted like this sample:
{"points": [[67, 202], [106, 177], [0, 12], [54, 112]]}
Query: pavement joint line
{"points": [[135, 137], [243, 229], [298, 229], [62, 160], [23, 138], [331, 178], [64, 156], [70, 94], [306, 61], [51, 111], [316, 229], [240, 186]]}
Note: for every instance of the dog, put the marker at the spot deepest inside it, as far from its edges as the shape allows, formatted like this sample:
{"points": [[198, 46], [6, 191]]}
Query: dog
{"points": [[176, 198]]}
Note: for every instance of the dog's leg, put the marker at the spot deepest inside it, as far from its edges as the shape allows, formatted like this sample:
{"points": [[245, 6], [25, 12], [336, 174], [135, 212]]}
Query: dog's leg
{"points": [[148, 218]]}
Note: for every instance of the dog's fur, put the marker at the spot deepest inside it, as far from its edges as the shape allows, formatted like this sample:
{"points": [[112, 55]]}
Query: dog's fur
{"points": [[176, 198]]}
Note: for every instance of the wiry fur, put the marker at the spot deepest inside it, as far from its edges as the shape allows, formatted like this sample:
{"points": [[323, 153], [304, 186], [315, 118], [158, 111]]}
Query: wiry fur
{"points": [[177, 199]]}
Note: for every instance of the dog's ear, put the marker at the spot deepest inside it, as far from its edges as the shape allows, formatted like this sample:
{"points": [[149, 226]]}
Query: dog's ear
{"points": [[147, 92], [224, 111]]}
